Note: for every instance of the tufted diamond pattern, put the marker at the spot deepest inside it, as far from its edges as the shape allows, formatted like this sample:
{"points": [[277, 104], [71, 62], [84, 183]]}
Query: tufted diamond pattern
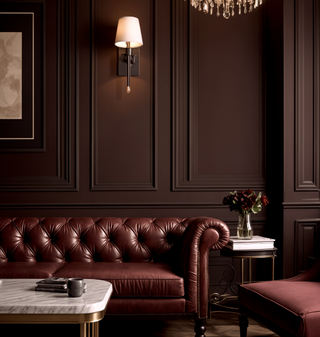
{"points": [[89, 239]]}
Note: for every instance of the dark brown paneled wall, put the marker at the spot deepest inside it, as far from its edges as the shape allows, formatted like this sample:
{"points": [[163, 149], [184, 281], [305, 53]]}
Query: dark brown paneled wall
{"points": [[293, 113], [218, 102], [49, 162], [123, 137], [192, 129]]}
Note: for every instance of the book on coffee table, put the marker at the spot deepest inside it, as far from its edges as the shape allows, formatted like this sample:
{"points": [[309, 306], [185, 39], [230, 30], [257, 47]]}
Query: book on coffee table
{"points": [[54, 284], [54, 280], [51, 289], [257, 242]]}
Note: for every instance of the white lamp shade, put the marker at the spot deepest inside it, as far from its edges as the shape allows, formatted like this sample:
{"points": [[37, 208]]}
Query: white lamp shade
{"points": [[128, 31]]}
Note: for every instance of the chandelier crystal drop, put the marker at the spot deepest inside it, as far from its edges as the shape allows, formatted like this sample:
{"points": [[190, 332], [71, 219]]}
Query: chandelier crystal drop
{"points": [[228, 6]]}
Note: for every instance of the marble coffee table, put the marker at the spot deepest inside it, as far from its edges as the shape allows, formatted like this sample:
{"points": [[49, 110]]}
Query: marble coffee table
{"points": [[21, 304]]}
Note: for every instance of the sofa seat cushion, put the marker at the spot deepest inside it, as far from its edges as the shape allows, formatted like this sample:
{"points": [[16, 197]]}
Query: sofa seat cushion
{"points": [[143, 280], [292, 305], [29, 269]]}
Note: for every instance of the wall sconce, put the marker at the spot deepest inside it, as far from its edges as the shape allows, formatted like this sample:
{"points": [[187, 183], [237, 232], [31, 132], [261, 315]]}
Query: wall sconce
{"points": [[129, 37]]}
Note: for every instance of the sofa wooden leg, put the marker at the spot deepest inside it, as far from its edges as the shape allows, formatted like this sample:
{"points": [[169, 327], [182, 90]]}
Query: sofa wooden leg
{"points": [[243, 324], [200, 327]]}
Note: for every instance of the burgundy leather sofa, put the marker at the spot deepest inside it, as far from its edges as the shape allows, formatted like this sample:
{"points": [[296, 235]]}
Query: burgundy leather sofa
{"points": [[156, 266], [289, 307]]}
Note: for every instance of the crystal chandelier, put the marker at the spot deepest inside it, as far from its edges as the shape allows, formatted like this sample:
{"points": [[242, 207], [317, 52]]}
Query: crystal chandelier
{"points": [[227, 6]]}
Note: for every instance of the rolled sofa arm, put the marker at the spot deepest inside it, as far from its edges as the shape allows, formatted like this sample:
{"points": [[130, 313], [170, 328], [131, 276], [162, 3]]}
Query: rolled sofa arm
{"points": [[202, 235]]}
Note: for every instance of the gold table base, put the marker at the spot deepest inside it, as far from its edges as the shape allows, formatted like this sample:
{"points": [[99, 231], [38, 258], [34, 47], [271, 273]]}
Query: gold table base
{"points": [[89, 323]]}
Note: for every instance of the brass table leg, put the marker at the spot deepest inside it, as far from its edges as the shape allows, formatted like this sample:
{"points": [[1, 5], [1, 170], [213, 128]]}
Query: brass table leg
{"points": [[89, 329], [273, 268], [95, 329], [83, 329], [242, 272]]}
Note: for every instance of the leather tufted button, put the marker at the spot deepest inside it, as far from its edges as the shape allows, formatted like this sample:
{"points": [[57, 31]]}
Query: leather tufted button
{"points": [[38, 257], [141, 238], [169, 240]]}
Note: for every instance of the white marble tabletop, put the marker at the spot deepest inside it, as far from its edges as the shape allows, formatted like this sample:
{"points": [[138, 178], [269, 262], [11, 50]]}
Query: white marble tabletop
{"points": [[17, 296]]}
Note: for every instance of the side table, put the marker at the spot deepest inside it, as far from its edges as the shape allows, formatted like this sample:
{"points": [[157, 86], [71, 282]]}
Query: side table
{"points": [[250, 254], [216, 298]]}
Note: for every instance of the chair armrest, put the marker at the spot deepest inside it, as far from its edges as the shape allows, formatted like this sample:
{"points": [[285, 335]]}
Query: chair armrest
{"points": [[202, 235]]}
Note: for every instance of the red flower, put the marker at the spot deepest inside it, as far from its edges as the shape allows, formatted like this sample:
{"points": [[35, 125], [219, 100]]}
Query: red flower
{"points": [[245, 202], [264, 200]]}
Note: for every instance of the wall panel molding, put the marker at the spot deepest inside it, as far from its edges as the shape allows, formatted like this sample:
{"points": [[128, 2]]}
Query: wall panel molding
{"points": [[97, 150], [186, 171], [121, 205], [299, 204], [62, 21], [307, 84], [306, 238]]}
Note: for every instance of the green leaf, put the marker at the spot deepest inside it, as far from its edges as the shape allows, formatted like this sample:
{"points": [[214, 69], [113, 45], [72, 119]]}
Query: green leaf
{"points": [[256, 208]]}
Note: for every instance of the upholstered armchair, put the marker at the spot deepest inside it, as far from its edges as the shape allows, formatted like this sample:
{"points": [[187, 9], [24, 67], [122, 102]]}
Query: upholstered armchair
{"points": [[289, 307]]}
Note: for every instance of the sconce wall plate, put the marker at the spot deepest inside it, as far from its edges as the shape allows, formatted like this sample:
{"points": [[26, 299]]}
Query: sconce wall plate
{"points": [[122, 62]]}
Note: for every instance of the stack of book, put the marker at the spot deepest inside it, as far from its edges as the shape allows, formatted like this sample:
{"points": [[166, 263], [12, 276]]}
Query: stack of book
{"points": [[257, 242], [56, 284]]}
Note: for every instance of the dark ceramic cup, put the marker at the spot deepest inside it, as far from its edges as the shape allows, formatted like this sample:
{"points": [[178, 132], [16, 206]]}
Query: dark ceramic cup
{"points": [[75, 287]]}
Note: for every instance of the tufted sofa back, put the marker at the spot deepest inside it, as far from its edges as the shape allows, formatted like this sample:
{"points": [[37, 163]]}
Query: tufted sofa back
{"points": [[86, 239]]}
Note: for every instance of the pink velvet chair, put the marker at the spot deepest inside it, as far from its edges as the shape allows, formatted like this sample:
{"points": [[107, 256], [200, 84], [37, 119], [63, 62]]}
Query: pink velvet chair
{"points": [[289, 307]]}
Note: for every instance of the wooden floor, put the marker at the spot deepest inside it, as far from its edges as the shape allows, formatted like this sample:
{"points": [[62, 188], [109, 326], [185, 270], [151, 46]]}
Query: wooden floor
{"points": [[220, 325], [225, 325]]}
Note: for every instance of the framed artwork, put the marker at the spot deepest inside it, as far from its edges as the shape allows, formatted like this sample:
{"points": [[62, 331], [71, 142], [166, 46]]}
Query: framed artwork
{"points": [[21, 115], [11, 75]]}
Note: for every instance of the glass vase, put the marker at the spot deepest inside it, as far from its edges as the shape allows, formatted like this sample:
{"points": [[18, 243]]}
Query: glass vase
{"points": [[244, 230]]}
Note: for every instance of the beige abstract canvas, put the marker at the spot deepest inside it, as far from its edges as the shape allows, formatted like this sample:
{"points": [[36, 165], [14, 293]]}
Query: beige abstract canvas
{"points": [[10, 75]]}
